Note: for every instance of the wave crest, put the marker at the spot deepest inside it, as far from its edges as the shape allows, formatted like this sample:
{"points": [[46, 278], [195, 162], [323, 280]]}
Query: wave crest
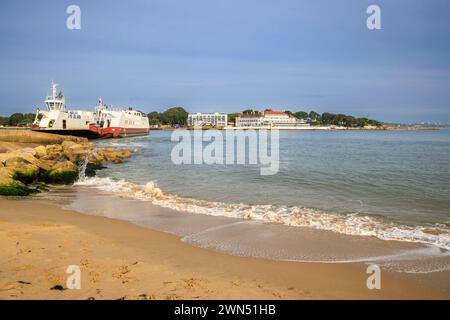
{"points": [[349, 224]]}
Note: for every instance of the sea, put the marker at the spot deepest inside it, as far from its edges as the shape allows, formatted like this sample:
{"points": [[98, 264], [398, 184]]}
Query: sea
{"points": [[338, 196]]}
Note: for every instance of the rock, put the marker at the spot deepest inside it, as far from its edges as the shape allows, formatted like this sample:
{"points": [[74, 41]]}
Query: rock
{"points": [[28, 157], [31, 151], [63, 172], [58, 287], [115, 155], [14, 161], [5, 174], [54, 152], [41, 151], [56, 163], [25, 172], [67, 144], [5, 156], [11, 187], [96, 160], [54, 148], [77, 152], [45, 165], [17, 156]]}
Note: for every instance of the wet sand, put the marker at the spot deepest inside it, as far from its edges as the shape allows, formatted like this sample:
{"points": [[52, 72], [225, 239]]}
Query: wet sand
{"points": [[121, 260]]}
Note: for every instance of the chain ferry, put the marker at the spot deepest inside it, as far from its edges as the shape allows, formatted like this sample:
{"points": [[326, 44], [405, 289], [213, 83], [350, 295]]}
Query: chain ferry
{"points": [[103, 122]]}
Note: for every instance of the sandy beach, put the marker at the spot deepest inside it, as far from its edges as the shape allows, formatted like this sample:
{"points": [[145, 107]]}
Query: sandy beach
{"points": [[119, 260]]}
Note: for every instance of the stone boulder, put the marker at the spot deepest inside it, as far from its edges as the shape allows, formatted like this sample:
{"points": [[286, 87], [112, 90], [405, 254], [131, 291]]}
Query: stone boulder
{"points": [[11, 158], [67, 144], [45, 165], [96, 159], [41, 151], [25, 172], [22, 166], [78, 152], [11, 187], [27, 157], [62, 172], [14, 161], [31, 151], [54, 152], [7, 155], [114, 155]]}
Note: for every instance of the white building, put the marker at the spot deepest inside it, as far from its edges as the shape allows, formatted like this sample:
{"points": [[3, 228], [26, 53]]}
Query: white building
{"points": [[207, 119], [272, 119]]}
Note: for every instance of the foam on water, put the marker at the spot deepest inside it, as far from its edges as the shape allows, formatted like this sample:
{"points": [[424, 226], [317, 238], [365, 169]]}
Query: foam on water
{"points": [[348, 224]]}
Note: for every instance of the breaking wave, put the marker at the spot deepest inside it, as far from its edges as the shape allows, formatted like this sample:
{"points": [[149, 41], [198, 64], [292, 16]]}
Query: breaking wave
{"points": [[349, 224]]}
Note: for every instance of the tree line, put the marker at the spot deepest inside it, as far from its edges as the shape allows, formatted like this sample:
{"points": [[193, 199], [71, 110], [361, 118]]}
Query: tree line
{"points": [[172, 116], [18, 119]]}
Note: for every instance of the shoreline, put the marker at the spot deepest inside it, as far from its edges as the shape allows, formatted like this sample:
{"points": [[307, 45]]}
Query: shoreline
{"points": [[121, 260]]}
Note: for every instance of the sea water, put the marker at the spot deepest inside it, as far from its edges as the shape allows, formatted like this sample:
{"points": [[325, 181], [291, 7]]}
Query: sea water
{"points": [[387, 185]]}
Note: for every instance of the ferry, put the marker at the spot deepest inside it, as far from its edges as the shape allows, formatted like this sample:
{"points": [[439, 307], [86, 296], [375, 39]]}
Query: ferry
{"points": [[103, 122]]}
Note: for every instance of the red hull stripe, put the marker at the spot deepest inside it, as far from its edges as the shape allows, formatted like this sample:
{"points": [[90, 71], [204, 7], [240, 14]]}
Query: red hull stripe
{"points": [[95, 132], [117, 132]]}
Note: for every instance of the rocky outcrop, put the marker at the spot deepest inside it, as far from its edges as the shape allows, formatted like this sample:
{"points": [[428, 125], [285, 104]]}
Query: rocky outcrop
{"points": [[54, 163], [77, 152], [114, 155], [62, 172], [11, 187], [41, 151], [25, 172]]}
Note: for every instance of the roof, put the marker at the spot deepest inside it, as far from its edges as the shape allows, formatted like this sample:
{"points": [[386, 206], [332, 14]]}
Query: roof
{"points": [[274, 113], [277, 113]]}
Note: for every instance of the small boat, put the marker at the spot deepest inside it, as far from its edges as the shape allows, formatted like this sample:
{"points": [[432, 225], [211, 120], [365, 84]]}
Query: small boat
{"points": [[104, 122]]}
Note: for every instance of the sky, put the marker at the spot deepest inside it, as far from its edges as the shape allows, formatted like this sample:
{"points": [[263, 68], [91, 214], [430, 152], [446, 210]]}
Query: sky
{"points": [[231, 55]]}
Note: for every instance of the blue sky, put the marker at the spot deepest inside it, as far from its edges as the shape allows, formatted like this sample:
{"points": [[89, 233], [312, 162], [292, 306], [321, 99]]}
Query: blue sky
{"points": [[214, 55]]}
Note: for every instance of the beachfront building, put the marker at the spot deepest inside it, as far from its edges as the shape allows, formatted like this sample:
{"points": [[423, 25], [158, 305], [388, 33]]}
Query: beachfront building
{"points": [[249, 120], [207, 119], [270, 119]]}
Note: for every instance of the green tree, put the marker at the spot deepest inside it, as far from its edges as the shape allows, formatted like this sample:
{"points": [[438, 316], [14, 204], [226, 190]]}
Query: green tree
{"points": [[339, 119], [315, 115], [175, 115], [154, 118], [301, 115], [4, 121], [362, 122], [374, 123], [28, 119], [15, 119], [349, 121], [327, 118], [232, 116]]}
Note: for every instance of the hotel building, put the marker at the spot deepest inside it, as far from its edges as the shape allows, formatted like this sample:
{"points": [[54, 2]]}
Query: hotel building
{"points": [[207, 119], [270, 119]]}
